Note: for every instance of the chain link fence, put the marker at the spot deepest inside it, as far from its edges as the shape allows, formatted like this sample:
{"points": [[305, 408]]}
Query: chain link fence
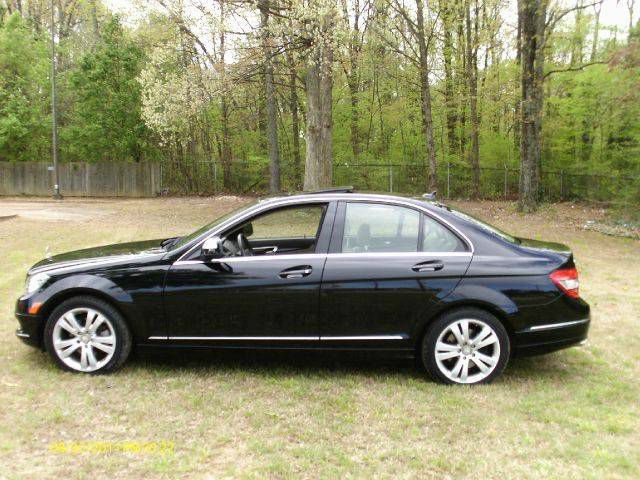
{"points": [[202, 177]]}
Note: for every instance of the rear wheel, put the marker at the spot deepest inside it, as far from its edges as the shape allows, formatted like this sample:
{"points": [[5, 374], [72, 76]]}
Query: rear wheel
{"points": [[87, 335], [467, 346]]}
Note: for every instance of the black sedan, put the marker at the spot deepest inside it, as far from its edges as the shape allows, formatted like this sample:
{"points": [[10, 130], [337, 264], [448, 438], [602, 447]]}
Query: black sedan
{"points": [[328, 271]]}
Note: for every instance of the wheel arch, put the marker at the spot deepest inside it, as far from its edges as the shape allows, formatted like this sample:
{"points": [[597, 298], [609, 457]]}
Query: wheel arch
{"points": [[499, 313], [66, 294]]}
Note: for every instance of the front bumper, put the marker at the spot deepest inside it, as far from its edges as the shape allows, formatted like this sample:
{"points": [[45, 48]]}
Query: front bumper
{"points": [[551, 337], [31, 326]]}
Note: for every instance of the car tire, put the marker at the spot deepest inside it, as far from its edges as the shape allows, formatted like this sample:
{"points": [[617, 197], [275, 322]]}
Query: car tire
{"points": [[87, 335], [465, 346]]}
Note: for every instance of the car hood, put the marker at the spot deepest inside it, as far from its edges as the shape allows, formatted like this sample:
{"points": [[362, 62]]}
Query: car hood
{"points": [[98, 256]]}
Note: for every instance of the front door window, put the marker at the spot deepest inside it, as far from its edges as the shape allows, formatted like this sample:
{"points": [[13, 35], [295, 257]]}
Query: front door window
{"points": [[287, 230]]}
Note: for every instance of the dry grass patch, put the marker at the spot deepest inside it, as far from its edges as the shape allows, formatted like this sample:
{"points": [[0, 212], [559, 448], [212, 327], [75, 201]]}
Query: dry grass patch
{"points": [[572, 414]]}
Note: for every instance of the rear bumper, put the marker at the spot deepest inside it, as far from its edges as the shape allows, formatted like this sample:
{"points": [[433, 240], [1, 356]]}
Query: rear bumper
{"points": [[547, 338]]}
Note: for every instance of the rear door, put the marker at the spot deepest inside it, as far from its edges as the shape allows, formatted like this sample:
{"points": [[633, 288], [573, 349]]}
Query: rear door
{"points": [[388, 264]]}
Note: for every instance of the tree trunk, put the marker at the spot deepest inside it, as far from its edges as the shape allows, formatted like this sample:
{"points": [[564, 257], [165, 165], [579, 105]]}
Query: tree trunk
{"points": [[596, 32], [353, 121], [225, 158], [94, 20], [425, 94], [517, 111], [352, 73], [532, 14], [630, 6], [272, 109], [577, 42], [461, 89], [319, 82], [295, 120], [472, 79], [450, 102]]}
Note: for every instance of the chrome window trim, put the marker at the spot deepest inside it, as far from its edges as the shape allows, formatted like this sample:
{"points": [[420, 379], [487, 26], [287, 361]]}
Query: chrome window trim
{"points": [[234, 338], [550, 326], [400, 254], [261, 208], [363, 337], [293, 256], [302, 338], [312, 256]]}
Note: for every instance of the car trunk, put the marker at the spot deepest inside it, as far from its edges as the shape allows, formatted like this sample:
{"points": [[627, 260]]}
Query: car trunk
{"points": [[561, 252]]}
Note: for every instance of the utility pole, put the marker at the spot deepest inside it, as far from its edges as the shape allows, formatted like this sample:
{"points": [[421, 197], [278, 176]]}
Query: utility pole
{"points": [[54, 130]]}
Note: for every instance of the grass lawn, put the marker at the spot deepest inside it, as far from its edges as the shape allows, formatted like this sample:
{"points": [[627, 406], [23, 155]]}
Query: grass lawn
{"points": [[571, 414]]}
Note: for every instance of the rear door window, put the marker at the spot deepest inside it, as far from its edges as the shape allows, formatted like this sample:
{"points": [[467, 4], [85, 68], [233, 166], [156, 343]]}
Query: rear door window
{"points": [[373, 227]]}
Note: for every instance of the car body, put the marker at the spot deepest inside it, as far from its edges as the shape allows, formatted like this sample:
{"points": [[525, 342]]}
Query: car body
{"points": [[333, 270]]}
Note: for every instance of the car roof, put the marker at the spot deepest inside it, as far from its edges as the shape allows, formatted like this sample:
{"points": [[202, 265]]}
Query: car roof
{"points": [[340, 195]]}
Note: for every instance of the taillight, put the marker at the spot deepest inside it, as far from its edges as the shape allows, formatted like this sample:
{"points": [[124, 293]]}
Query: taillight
{"points": [[566, 279]]}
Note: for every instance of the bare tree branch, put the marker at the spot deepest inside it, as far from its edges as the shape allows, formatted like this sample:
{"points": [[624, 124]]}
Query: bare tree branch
{"points": [[576, 68]]}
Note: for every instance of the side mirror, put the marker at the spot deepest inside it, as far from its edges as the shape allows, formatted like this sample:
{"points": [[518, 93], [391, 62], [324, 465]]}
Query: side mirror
{"points": [[212, 248]]}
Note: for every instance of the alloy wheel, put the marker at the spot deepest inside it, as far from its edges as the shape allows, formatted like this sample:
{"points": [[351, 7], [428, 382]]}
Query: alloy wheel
{"points": [[467, 351], [84, 339]]}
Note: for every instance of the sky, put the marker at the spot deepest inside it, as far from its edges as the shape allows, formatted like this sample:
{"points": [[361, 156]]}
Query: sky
{"points": [[613, 13]]}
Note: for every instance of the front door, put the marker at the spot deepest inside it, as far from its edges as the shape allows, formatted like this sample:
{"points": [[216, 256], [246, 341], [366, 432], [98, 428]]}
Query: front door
{"points": [[267, 291], [388, 265]]}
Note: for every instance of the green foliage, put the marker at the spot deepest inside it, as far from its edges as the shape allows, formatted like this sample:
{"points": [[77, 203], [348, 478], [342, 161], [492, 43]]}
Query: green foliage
{"points": [[153, 93], [106, 123], [24, 125]]}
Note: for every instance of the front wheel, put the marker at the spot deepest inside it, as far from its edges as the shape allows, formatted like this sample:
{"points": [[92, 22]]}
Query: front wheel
{"points": [[87, 335], [465, 346]]}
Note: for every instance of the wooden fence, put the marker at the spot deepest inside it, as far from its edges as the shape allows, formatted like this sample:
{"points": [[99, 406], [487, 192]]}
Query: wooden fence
{"points": [[81, 179]]}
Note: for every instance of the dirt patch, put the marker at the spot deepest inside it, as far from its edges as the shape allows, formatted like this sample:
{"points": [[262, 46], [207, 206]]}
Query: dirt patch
{"points": [[51, 210]]}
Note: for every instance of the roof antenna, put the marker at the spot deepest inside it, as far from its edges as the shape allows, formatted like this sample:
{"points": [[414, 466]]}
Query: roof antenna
{"points": [[430, 196]]}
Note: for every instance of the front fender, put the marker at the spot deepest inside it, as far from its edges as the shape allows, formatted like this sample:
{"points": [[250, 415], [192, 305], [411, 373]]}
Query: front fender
{"points": [[81, 284]]}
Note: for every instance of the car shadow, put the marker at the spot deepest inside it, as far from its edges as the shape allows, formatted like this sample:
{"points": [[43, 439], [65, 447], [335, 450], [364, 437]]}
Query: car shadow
{"points": [[542, 368], [285, 363], [305, 363]]}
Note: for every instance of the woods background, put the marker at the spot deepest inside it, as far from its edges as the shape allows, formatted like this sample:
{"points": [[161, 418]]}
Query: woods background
{"points": [[290, 94]]}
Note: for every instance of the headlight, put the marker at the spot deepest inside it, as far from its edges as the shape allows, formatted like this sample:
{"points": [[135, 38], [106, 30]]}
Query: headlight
{"points": [[35, 282]]}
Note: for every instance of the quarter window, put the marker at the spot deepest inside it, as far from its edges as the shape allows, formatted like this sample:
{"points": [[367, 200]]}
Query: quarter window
{"points": [[371, 227], [437, 238]]}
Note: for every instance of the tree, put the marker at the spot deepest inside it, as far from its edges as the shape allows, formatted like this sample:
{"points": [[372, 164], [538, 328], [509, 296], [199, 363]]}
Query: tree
{"points": [[356, 31], [230, 89], [421, 34], [532, 16], [24, 126], [270, 94], [447, 9], [537, 23], [472, 82], [319, 20], [107, 120]]}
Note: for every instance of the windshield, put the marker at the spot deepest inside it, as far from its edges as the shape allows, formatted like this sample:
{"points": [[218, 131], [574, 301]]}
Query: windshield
{"points": [[485, 226], [187, 238]]}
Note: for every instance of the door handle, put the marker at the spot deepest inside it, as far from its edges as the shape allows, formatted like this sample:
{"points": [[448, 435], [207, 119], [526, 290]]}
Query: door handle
{"points": [[270, 250], [296, 272], [428, 266]]}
